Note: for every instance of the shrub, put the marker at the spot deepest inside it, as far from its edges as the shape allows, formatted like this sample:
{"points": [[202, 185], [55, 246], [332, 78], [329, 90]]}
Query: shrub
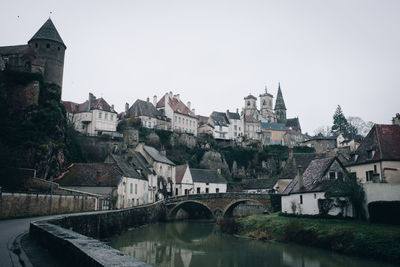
{"points": [[229, 225]]}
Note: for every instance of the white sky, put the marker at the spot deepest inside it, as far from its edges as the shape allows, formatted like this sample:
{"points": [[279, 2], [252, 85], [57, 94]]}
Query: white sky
{"points": [[213, 53]]}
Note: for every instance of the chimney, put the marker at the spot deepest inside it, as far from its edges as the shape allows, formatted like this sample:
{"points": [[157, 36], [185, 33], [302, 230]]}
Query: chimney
{"points": [[112, 107], [227, 111], [188, 104], [193, 111], [91, 100], [237, 110], [126, 108], [97, 177], [155, 100], [219, 171], [300, 176], [148, 99]]}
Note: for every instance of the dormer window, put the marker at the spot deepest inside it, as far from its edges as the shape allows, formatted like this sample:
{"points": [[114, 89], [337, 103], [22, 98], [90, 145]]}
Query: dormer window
{"points": [[370, 154], [332, 175]]}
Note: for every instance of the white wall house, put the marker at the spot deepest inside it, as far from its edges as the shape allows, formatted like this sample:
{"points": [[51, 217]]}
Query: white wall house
{"points": [[93, 117], [183, 118], [199, 181], [302, 195], [132, 192], [235, 125]]}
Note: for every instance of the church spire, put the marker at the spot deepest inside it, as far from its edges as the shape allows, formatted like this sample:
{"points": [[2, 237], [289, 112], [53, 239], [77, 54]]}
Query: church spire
{"points": [[280, 108]]}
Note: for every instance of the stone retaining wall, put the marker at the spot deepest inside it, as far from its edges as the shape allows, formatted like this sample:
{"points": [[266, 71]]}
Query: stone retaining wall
{"points": [[71, 237]]}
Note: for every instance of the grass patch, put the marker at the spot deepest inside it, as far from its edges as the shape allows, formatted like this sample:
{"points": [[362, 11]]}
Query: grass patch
{"points": [[377, 241]]}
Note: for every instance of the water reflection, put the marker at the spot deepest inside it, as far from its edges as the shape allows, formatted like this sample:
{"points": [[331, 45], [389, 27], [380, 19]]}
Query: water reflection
{"points": [[193, 244]]}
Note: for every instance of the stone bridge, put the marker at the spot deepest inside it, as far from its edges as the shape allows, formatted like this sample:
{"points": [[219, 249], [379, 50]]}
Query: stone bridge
{"points": [[214, 206]]}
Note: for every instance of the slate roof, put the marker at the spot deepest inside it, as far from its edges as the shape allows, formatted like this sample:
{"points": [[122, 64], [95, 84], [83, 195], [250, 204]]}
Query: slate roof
{"points": [[48, 32], [179, 173], [202, 119], [294, 123], [312, 176], [143, 108], [273, 126], [280, 103], [206, 176], [259, 184], [126, 169], [384, 140], [141, 163], [250, 96], [157, 156], [16, 49], [219, 118], [303, 159], [232, 116], [85, 174]]}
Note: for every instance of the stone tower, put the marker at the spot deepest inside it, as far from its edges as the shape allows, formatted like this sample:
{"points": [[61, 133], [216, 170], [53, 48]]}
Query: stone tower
{"points": [[266, 109], [250, 105], [49, 50], [280, 108]]}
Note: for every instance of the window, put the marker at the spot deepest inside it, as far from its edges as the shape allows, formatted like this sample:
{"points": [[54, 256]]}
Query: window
{"points": [[111, 117], [248, 103], [217, 190], [179, 119], [187, 122], [47, 45], [105, 115], [369, 175], [135, 188], [315, 196], [149, 124], [332, 175], [235, 127], [198, 190], [36, 45], [131, 188], [176, 191], [220, 128], [58, 48], [301, 199], [207, 190], [174, 118], [100, 115]]}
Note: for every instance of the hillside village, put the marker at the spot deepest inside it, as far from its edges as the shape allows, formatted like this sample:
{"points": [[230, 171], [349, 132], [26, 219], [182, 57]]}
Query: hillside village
{"points": [[160, 148]]}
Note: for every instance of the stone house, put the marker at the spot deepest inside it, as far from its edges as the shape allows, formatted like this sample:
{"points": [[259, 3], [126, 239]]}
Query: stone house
{"points": [[377, 159], [162, 166], [183, 118], [322, 144], [148, 114], [306, 191], [93, 117], [111, 181], [198, 181], [273, 133], [252, 127]]}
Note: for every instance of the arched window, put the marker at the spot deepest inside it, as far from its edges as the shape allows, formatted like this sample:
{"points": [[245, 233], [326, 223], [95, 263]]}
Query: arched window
{"points": [[248, 103]]}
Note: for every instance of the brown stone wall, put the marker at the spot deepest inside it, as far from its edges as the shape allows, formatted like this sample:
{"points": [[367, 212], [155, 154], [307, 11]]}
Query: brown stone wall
{"points": [[29, 204], [23, 97]]}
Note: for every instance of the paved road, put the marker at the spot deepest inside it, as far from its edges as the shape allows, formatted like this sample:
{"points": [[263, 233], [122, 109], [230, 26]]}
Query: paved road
{"points": [[9, 230]]}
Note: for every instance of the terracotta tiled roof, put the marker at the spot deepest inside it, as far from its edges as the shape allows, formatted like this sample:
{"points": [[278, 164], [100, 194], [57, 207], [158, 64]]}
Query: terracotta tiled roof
{"points": [[70, 107], [179, 173], [98, 103], [312, 176], [382, 143], [177, 106], [85, 174]]}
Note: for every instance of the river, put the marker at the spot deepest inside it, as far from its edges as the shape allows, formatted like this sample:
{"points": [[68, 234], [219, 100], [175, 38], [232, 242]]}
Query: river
{"points": [[200, 244]]}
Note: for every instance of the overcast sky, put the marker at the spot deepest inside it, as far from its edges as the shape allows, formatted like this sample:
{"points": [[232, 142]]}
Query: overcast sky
{"points": [[214, 53]]}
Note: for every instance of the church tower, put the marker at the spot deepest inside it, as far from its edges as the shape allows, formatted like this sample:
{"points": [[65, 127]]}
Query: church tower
{"points": [[250, 106], [280, 108], [49, 50], [266, 109]]}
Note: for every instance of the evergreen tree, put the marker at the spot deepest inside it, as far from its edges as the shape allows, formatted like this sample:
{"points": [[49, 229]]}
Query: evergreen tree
{"points": [[340, 124]]}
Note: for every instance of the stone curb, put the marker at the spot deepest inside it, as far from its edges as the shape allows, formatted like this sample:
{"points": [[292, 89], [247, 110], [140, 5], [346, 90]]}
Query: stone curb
{"points": [[17, 254]]}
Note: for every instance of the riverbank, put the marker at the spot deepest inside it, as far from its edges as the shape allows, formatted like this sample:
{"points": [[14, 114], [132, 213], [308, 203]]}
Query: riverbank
{"points": [[350, 237]]}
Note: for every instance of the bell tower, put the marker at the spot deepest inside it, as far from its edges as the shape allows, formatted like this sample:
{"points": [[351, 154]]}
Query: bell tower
{"points": [[266, 110]]}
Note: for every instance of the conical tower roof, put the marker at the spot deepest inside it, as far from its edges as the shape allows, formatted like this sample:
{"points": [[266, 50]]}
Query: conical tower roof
{"points": [[280, 103], [48, 32]]}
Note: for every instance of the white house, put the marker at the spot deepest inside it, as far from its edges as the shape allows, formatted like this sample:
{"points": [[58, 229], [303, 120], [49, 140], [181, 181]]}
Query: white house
{"points": [[198, 181], [220, 125], [93, 117], [183, 118], [307, 190], [236, 128]]}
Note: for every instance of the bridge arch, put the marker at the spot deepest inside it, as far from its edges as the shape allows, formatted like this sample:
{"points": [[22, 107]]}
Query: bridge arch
{"points": [[194, 208], [229, 209]]}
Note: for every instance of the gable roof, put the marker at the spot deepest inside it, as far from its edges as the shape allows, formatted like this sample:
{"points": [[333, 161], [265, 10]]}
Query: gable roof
{"points": [[48, 32], [143, 108], [219, 118], [156, 155], [179, 173], [303, 159], [384, 140], [273, 126], [98, 103], [176, 105], [259, 184], [232, 116], [206, 176], [312, 176], [126, 169], [85, 174], [293, 123], [141, 163]]}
